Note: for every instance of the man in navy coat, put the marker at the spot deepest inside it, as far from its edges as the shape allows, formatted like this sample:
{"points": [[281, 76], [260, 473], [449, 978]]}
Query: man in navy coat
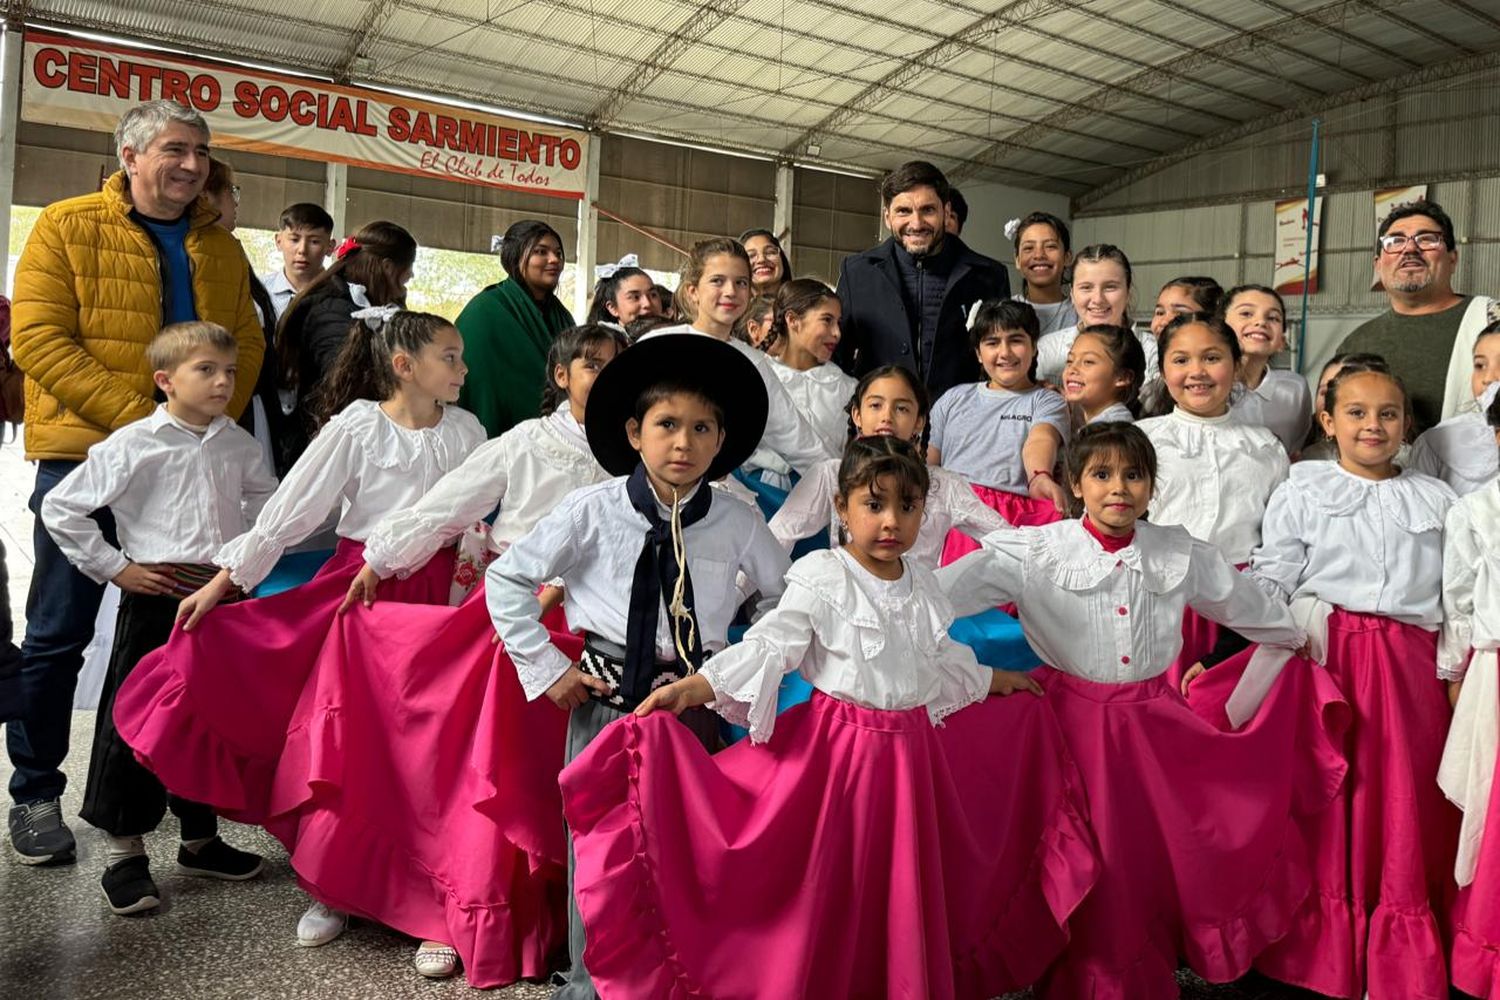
{"points": [[907, 301]]}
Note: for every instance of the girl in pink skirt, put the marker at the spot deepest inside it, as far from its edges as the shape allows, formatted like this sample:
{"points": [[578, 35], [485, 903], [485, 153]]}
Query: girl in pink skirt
{"points": [[1467, 659], [1357, 546], [1003, 434], [407, 691], [209, 712], [1217, 472], [850, 848], [1200, 855]]}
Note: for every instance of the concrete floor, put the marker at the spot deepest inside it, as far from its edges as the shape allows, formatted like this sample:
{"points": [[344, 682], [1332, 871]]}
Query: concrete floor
{"points": [[214, 940]]}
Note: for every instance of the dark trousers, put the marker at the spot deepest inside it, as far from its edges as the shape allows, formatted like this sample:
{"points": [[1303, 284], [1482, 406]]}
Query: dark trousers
{"points": [[10, 656], [122, 798], [60, 611]]}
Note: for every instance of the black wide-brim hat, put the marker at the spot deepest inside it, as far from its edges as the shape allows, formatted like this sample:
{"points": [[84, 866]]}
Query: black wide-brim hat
{"points": [[692, 361]]}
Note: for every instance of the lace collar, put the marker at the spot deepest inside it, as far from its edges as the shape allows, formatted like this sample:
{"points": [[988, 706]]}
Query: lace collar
{"points": [[388, 445], [1074, 560], [831, 580], [1412, 500]]}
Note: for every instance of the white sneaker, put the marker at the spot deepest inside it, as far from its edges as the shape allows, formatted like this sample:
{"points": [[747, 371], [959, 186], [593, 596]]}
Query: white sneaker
{"points": [[320, 925]]}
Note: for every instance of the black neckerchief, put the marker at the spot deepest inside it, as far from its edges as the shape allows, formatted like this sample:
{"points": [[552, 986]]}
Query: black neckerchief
{"points": [[654, 582]]}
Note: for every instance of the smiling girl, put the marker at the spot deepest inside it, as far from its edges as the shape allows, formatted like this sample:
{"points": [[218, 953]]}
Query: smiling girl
{"points": [[1358, 544], [1102, 381], [1043, 254], [1003, 434], [1271, 397], [1194, 825], [805, 323], [1216, 474], [1101, 295], [715, 291]]}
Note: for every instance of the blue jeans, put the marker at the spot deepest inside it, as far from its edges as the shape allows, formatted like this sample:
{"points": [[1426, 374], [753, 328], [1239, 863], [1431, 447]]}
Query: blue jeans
{"points": [[60, 611]]}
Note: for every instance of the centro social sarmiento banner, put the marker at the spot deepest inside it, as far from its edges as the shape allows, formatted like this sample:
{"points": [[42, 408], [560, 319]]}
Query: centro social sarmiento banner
{"points": [[86, 84]]}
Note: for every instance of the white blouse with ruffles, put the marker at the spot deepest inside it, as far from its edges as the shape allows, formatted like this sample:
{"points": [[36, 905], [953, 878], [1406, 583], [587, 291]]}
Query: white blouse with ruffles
{"points": [[361, 463], [880, 644], [1112, 617], [1364, 545], [1471, 580], [527, 471], [950, 504], [1282, 404], [821, 396], [1214, 476]]}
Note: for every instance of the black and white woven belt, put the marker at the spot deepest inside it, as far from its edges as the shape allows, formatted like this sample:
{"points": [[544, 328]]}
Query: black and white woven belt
{"points": [[609, 666]]}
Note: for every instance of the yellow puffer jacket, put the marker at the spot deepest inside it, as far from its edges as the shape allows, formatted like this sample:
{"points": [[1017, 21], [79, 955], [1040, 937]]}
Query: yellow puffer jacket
{"points": [[88, 300]]}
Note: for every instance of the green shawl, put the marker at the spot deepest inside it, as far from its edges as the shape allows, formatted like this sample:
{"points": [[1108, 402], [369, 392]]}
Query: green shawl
{"points": [[507, 334]]}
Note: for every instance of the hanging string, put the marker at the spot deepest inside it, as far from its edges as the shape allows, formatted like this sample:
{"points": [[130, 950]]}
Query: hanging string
{"points": [[677, 610]]}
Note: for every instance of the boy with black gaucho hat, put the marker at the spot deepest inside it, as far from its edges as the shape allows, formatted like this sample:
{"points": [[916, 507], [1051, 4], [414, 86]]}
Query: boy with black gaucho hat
{"points": [[648, 560]]}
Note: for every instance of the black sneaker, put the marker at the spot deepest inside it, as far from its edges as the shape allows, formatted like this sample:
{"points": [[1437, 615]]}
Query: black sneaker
{"points": [[39, 835], [217, 859], [129, 888]]}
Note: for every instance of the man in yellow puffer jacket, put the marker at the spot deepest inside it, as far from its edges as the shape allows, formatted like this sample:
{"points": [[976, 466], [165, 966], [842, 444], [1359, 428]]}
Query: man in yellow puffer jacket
{"points": [[99, 277]]}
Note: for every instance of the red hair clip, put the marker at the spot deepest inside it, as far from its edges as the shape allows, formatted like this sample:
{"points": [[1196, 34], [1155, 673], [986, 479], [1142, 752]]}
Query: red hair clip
{"points": [[343, 250]]}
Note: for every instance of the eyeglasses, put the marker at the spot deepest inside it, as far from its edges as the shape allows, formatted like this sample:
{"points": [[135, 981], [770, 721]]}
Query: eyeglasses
{"points": [[234, 193], [1397, 242]]}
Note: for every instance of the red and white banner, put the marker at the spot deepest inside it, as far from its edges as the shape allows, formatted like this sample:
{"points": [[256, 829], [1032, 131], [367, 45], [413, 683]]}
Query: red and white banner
{"points": [[1292, 222], [89, 85]]}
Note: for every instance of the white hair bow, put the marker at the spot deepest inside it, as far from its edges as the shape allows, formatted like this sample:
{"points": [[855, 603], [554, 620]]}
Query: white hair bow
{"points": [[1011, 227], [375, 317], [603, 271]]}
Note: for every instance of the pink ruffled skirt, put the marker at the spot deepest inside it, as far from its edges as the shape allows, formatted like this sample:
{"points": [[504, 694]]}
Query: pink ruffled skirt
{"points": [[1201, 855], [1475, 951], [418, 787], [1383, 851], [859, 853], [208, 712], [1019, 509], [391, 749]]}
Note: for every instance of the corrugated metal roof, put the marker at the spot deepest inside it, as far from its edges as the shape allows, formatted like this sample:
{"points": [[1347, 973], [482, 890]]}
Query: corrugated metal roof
{"points": [[1063, 95]]}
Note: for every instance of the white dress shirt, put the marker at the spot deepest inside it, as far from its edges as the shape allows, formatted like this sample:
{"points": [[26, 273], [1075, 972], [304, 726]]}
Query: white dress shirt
{"points": [[591, 541], [821, 395], [527, 471], [877, 643], [1369, 546], [177, 495], [1214, 476], [787, 435], [1282, 404], [1115, 618], [362, 464], [1461, 451], [281, 290], [1471, 580], [1052, 353], [950, 504]]}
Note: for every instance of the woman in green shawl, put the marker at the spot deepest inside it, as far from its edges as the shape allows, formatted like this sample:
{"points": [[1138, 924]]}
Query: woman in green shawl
{"points": [[508, 327]]}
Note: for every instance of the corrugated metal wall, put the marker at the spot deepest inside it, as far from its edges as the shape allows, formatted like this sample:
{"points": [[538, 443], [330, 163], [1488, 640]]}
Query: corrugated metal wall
{"points": [[680, 193], [1214, 214], [833, 216]]}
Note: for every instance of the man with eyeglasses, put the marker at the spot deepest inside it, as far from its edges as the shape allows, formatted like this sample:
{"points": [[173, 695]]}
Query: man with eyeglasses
{"points": [[1428, 334]]}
